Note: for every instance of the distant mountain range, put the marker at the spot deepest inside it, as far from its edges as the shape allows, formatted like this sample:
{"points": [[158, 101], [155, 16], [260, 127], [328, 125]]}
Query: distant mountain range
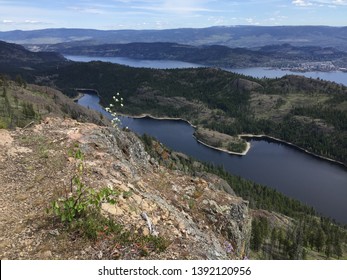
{"points": [[232, 36]]}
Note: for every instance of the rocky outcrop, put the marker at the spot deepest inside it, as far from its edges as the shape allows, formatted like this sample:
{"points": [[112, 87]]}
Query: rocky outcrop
{"points": [[193, 213]]}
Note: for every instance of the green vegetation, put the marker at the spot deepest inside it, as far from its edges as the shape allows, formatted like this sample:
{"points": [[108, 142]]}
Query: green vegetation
{"points": [[221, 141], [302, 240], [84, 200], [307, 112], [288, 229], [310, 113], [14, 112], [238, 147], [22, 104], [80, 213]]}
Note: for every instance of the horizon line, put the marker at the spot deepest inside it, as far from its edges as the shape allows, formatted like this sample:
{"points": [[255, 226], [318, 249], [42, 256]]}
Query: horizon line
{"points": [[212, 26]]}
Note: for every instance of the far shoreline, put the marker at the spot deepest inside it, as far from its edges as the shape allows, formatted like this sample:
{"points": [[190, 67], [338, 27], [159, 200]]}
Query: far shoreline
{"points": [[274, 139], [259, 136]]}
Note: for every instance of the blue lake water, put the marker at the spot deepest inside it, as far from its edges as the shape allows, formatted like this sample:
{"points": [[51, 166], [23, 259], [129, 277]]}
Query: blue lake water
{"points": [[157, 64], [318, 183], [259, 72]]}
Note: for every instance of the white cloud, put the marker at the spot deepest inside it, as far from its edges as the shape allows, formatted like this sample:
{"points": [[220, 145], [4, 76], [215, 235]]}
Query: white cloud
{"points": [[251, 21], [32, 21], [340, 2], [175, 6], [88, 10], [27, 21], [302, 3], [320, 3]]}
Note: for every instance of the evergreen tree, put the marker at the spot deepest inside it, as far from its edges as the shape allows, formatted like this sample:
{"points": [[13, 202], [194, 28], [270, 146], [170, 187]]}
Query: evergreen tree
{"points": [[256, 238], [319, 239], [338, 250]]}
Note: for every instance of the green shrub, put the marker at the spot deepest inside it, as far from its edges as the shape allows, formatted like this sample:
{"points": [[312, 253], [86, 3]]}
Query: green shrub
{"points": [[84, 200]]}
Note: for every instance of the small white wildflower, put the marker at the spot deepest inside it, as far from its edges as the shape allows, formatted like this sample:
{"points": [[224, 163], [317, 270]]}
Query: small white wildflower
{"points": [[111, 109]]}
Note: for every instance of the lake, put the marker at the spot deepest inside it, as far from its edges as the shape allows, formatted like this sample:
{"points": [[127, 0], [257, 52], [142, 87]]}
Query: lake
{"points": [[259, 72], [316, 182], [157, 64]]}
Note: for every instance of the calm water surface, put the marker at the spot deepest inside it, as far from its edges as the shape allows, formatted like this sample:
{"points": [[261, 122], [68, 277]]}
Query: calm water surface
{"points": [[259, 72], [157, 64], [319, 183]]}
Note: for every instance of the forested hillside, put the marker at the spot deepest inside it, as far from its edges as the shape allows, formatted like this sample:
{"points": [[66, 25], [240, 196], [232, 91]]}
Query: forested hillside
{"points": [[284, 55], [309, 113], [282, 227], [23, 104]]}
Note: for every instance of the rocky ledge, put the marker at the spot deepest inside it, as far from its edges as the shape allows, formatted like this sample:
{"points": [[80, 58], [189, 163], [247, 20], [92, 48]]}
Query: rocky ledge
{"points": [[197, 218]]}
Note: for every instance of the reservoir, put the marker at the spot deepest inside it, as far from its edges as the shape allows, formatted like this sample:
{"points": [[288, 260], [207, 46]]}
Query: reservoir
{"points": [[315, 182], [258, 72]]}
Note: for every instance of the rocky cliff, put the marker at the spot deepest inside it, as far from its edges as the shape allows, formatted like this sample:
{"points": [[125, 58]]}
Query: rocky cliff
{"points": [[193, 214]]}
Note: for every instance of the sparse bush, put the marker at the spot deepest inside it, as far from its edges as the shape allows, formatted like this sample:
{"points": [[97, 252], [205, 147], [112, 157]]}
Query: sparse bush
{"points": [[80, 210], [84, 200]]}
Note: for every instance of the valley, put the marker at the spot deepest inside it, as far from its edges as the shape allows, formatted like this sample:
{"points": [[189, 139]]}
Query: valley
{"points": [[309, 113]]}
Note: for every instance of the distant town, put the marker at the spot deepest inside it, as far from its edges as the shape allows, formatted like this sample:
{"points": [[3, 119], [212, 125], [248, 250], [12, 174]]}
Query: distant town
{"points": [[322, 66]]}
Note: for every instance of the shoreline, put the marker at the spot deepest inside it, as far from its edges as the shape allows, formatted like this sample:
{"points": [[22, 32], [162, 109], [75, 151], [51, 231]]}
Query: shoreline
{"points": [[78, 97], [291, 144], [225, 151], [157, 118], [240, 135], [248, 145]]}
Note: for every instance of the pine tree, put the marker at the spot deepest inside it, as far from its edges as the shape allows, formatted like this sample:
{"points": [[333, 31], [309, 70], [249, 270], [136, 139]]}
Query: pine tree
{"points": [[319, 239], [257, 238]]}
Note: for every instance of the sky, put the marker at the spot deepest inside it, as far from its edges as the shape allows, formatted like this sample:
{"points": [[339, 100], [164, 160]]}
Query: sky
{"points": [[167, 14]]}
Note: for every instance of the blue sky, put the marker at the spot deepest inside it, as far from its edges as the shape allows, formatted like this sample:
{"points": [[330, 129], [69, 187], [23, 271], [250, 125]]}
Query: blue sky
{"points": [[155, 14]]}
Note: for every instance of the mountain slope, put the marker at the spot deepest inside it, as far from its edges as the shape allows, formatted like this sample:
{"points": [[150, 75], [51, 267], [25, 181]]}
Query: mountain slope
{"points": [[23, 104], [193, 220], [310, 113], [16, 55], [39, 164]]}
